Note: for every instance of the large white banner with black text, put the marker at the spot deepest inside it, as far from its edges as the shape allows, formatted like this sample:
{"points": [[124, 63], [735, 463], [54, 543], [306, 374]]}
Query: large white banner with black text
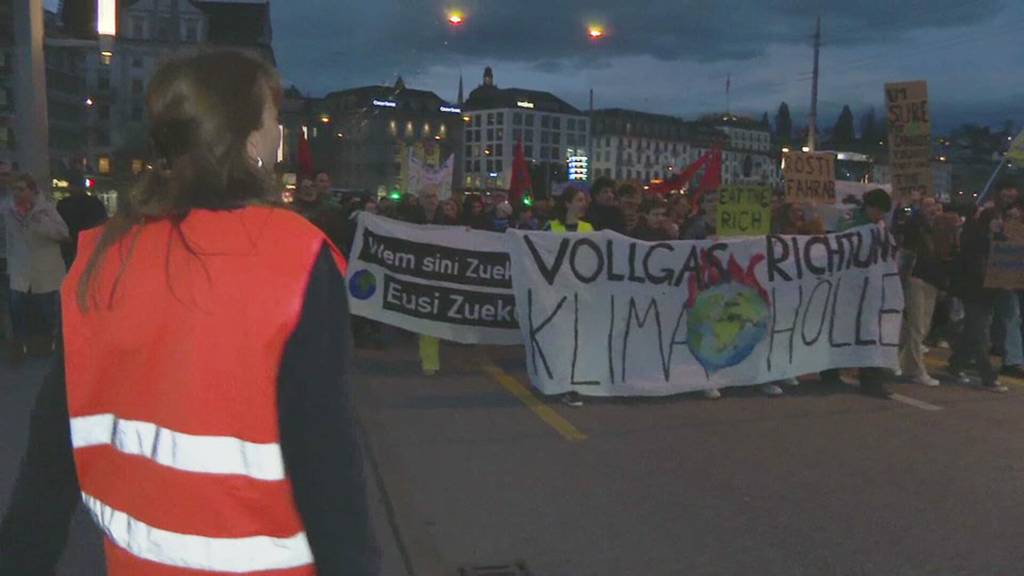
{"points": [[445, 281], [602, 314]]}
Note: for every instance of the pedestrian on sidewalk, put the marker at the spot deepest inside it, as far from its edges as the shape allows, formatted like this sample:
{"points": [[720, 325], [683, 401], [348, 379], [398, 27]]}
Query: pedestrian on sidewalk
{"points": [[927, 274], [80, 211], [34, 232], [969, 284], [202, 408]]}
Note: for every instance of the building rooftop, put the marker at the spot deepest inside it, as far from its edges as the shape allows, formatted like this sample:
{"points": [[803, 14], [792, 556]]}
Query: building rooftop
{"points": [[397, 97], [488, 96]]}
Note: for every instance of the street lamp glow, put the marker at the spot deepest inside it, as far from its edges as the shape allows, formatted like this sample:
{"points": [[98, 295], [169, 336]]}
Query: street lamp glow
{"points": [[595, 32], [455, 18], [106, 17]]}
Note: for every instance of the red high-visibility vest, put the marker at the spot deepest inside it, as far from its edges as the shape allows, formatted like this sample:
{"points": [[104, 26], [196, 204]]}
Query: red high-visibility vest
{"points": [[172, 392]]}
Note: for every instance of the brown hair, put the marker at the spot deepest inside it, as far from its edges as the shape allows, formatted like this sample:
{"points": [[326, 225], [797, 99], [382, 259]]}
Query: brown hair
{"points": [[201, 110]]}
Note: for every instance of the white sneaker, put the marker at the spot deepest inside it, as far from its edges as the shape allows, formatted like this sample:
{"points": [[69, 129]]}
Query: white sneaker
{"points": [[770, 389], [925, 380], [897, 372], [790, 381], [712, 394], [925, 349]]}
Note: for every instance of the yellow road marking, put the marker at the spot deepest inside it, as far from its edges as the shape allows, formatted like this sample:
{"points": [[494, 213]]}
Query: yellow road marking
{"points": [[541, 410]]}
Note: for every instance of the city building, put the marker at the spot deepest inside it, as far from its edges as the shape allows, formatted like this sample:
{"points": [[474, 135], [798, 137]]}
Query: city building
{"points": [[551, 130], [363, 137], [114, 140], [748, 157], [64, 65], [642, 147], [66, 103]]}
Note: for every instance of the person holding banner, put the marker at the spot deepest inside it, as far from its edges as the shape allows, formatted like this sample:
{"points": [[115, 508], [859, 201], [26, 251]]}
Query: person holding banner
{"points": [[569, 210], [568, 213], [875, 207]]}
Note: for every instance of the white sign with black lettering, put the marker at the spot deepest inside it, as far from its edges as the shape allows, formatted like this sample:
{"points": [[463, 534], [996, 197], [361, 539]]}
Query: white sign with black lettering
{"points": [[606, 315]]}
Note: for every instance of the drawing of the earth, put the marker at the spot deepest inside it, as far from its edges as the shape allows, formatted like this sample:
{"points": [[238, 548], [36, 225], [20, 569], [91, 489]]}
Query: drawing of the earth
{"points": [[362, 285], [725, 324]]}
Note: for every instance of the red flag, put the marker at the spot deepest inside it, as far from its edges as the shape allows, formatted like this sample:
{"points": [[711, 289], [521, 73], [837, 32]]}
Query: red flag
{"points": [[520, 184], [712, 179], [304, 158], [681, 179]]}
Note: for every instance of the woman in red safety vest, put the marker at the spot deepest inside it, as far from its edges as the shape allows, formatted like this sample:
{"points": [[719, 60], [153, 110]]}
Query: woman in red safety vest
{"points": [[201, 409]]}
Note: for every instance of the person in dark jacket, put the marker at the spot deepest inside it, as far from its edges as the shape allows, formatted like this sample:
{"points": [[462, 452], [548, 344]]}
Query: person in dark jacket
{"points": [[604, 213], [928, 275], [474, 213], [969, 284], [313, 201], [80, 211]]}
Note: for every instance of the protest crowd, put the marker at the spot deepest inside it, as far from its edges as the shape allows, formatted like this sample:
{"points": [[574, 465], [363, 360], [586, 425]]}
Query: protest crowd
{"points": [[292, 274], [943, 264]]}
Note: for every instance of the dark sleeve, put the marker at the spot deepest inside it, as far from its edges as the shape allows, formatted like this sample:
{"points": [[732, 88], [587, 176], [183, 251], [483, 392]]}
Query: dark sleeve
{"points": [[35, 527], [319, 434]]}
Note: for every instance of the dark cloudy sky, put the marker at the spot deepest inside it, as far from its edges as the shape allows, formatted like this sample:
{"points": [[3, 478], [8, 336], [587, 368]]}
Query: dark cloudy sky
{"points": [[670, 56]]}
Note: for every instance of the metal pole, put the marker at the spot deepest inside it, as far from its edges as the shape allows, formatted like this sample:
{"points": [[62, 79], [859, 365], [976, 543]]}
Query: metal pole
{"points": [[812, 128], [31, 124], [590, 139], [991, 180]]}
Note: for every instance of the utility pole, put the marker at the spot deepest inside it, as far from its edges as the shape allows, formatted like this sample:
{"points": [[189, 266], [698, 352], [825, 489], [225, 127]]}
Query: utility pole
{"points": [[590, 138], [812, 128], [31, 125]]}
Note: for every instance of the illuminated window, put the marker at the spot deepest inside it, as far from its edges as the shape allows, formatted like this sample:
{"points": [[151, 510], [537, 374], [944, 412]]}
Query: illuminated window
{"points": [[408, 129], [103, 165]]}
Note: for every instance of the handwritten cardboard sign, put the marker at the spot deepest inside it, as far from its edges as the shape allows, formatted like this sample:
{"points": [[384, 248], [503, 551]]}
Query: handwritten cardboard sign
{"points": [[910, 151], [744, 211], [810, 177], [1006, 259]]}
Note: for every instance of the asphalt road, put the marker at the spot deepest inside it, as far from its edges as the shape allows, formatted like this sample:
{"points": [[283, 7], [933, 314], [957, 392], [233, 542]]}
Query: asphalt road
{"points": [[470, 469]]}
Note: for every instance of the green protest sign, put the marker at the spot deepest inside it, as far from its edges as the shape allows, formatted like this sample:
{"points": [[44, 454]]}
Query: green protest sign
{"points": [[744, 210]]}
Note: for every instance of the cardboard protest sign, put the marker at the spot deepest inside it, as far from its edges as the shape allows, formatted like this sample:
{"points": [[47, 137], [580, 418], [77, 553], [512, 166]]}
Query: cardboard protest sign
{"points": [[444, 281], [1006, 258], [910, 151], [605, 315], [743, 211], [810, 177]]}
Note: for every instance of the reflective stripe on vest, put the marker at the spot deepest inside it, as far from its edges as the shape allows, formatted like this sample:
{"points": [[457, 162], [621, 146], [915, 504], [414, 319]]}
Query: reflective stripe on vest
{"points": [[233, 555], [186, 452]]}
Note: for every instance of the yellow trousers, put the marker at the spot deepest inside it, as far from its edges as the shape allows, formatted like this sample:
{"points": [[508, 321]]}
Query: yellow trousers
{"points": [[430, 353]]}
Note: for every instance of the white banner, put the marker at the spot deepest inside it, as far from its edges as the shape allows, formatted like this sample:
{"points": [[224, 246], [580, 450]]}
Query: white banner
{"points": [[423, 177], [605, 315], [445, 281]]}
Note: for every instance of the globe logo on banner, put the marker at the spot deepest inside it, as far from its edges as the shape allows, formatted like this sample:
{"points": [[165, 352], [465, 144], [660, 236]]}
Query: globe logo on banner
{"points": [[728, 317], [362, 285]]}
